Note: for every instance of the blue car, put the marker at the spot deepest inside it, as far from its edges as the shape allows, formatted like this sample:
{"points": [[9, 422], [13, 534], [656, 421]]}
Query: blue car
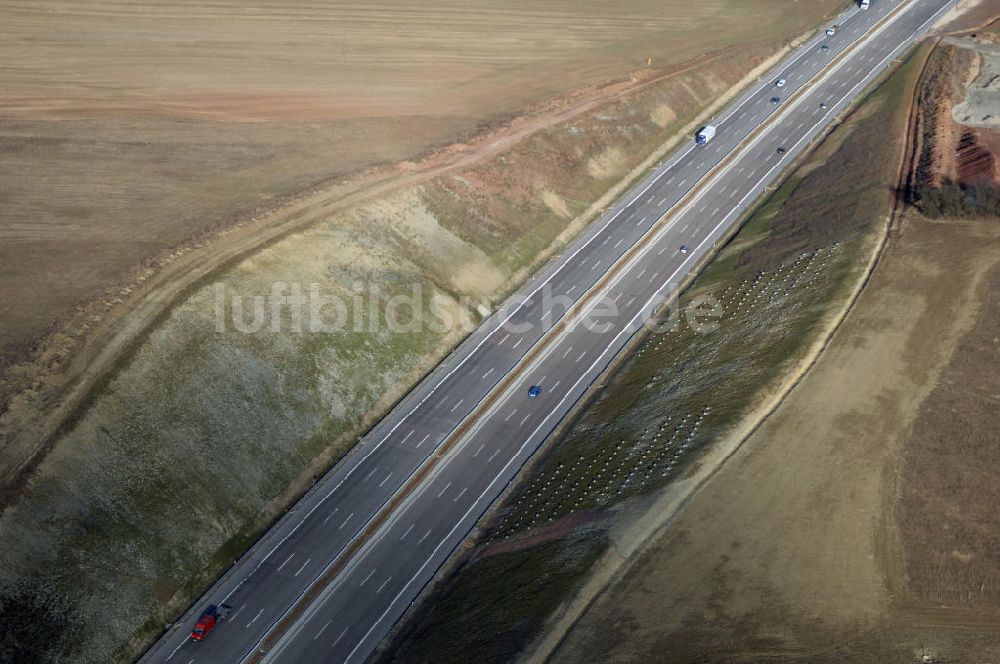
{"points": [[534, 391]]}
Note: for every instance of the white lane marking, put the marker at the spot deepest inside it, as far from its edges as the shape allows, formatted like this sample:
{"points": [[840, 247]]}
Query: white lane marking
{"points": [[660, 252], [494, 455], [510, 415], [630, 301], [285, 563], [518, 343], [505, 337], [615, 300], [370, 575], [459, 402], [382, 587], [346, 520], [487, 374], [606, 240], [663, 200], [328, 516], [369, 475], [403, 536], [581, 356], [481, 446], [446, 487], [618, 244], [525, 419], [682, 182], [423, 440], [571, 289], [337, 640], [303, 566], [597, 264], [639, 276], [568, 350], [322, 629], [254, 619], [426, 535], [461, 493], [407, 436], [555, 385], [685, 227], [380, 484]]}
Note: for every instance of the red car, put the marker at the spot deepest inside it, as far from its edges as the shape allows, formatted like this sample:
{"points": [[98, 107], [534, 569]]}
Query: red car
{"points": [[206, 623]]}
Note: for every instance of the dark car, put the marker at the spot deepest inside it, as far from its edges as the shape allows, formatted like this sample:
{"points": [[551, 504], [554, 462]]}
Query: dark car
{"points": [[534, 391], [775, 101], [822, 104], [824, 47], [684, 248], [781, 150]]}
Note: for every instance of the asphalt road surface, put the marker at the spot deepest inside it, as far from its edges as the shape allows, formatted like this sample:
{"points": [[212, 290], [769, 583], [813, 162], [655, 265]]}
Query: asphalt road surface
{"points": [[559, 332]]}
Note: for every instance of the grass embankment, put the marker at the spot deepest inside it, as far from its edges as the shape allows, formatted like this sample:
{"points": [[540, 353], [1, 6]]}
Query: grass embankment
{"points": [[792, 265], [201, 439]]}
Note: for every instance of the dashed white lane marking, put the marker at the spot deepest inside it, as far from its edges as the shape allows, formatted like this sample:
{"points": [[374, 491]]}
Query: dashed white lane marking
{"points": [[615, 300], [639, 276], [369, 475], [286, 562], [505, 337], [630, 301], [682, 182], [407, 436], [446, 487], [618, 243], [322, 629], [328, 516], [382, 483], [426, 535], [460, 494], [525, 418], [581, 356], [382, 587], [459, 402], [571, 289], [337, 640], [518, 343], [481, 446], [303, 566], [660, 252], [568, 350], [403, 536], [685, 227], [663, 200], [487, 374], [494, 455], [254, 619], [606, 240], [597, 264], [370, 575], [555, 385], [423, 440], [510, 415], [346, 520]]}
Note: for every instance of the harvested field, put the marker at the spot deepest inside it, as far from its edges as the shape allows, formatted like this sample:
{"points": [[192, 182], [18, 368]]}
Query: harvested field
{"points": [[126, 131], [241, 416]]}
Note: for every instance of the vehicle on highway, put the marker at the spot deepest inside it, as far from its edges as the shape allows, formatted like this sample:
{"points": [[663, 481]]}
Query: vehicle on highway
{"points": [[781, 150], [822, 104], [863, 4], [684, 248], [775, 101], [534, 391], [780, 83], [705, 134], [831, 31], [208, 619], [824, 47]]}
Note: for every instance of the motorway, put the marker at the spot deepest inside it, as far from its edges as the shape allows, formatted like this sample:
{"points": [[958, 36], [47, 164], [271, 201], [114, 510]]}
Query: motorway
{"points": [[384, 539]]}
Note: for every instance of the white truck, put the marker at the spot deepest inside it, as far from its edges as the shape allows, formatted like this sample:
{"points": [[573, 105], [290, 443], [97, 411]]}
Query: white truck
{"points": [[863, 4], [705, 134]]}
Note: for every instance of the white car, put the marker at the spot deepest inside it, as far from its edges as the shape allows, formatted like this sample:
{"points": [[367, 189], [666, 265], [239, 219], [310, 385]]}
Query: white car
{"points": [[831, 31], [780, 83]]}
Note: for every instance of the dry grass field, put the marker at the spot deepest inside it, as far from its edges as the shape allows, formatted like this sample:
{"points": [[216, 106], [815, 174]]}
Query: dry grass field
{"points": [[128, 129]]}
